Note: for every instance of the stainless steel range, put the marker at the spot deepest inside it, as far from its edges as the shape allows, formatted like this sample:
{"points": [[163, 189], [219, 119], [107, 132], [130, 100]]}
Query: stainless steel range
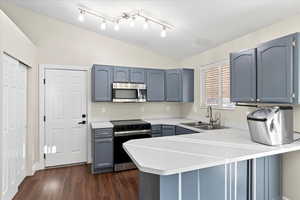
{"points": [[125, 130]]}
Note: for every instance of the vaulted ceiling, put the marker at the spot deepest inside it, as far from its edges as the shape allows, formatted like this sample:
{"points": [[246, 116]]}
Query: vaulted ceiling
{"points": [[199, 24]]}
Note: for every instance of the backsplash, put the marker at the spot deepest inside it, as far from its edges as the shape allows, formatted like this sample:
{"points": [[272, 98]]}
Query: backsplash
{"points": [[115, 111]]}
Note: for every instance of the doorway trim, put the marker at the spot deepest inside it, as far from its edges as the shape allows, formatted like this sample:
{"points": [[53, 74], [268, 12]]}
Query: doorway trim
{"points": [[42, 68]]}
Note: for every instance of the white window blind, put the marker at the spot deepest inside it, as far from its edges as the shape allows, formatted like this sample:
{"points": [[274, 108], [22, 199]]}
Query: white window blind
{"points": [[215, 86]]}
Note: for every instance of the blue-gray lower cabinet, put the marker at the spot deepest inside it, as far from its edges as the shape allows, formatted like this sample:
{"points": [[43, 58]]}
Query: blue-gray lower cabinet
{"points": [[180, 85], [155, 85], [234, 181], [168, 130], [156, 130], [102, 150], [102, 78], [137, 75], [121, 74], [182, 131], [268, 178]]}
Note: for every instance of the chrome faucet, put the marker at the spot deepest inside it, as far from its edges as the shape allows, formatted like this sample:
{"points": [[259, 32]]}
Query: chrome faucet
{"points": [[212, 121]]}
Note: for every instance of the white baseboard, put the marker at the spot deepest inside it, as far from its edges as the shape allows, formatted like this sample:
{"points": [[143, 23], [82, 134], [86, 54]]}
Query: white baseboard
{"points": [[36, 167]]}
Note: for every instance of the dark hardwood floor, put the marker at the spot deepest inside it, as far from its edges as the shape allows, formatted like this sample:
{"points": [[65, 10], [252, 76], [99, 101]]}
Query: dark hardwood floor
{"points": [[77, 183]]}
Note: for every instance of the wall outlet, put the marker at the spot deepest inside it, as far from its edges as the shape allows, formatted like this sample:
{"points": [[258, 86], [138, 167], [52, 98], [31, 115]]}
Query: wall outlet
{"points": [[142, 109], [103, 109]]}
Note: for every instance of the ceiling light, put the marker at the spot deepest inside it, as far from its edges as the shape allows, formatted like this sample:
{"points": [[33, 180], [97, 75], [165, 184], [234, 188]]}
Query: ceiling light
{"points": [[103, 25], [81, 16], [163, 33], [146, 24], [117, 27], [132, 22]]}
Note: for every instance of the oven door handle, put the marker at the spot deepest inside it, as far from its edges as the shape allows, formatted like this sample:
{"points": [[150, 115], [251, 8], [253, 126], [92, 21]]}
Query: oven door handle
{"points": [[136, 132]]}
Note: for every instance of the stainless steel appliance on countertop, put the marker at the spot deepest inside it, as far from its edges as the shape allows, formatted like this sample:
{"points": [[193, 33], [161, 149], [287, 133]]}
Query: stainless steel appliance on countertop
{"points": [[272, 125], [125, 130], [129, 92]]}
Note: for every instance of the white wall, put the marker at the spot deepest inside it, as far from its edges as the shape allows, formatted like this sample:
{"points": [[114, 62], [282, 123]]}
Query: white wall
{"points": [[291, 164], [16, 44], [64, 44]]}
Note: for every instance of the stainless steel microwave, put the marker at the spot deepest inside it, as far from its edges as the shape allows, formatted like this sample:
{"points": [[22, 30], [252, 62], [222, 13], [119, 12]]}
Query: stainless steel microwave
{"points": [[129, 92]]}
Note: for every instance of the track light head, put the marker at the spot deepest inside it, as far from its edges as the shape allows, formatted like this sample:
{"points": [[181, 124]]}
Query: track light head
{"points": [[117, 26], [81, 16], [163, 33], [103, 25]]}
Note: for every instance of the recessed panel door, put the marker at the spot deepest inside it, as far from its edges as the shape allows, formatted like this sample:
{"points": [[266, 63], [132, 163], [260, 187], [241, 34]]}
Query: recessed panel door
{"points": [[65, 112]]}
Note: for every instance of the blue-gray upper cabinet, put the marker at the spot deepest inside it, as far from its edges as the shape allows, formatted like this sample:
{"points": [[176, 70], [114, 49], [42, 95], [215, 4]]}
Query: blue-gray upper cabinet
{"points": [[173, 85], [121, 74], [243, 76], [180, 85], [275, 64], [102, 77], [155, 85], [137, 75]]}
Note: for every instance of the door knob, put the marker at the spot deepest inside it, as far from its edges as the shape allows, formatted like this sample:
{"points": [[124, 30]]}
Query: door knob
{"points": [[82, 122]]}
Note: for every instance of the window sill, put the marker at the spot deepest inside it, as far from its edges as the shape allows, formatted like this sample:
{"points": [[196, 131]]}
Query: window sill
{"points": [[219, 108]]}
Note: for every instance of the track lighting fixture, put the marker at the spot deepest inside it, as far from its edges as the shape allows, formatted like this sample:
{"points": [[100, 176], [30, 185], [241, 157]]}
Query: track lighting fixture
{"points": [[163, 33], [132, 22], [132, 16], [81, 16], [103, 25], [146, 24], [117, 26]]}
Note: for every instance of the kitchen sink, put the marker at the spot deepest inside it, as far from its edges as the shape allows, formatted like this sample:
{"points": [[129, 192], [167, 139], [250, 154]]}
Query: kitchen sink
{"points": [[204, 126]]}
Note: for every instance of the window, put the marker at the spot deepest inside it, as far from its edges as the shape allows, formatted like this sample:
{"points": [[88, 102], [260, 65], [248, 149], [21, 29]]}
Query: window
{"points": [[215, 86]]}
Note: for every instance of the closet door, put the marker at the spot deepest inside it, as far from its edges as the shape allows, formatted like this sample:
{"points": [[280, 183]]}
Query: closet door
{"points": [[14, 126]]}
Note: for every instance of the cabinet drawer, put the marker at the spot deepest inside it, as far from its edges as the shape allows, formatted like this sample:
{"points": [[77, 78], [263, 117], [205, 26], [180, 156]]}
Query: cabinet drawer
{"points": [[168, 130], [156, 127], [103, 133]]}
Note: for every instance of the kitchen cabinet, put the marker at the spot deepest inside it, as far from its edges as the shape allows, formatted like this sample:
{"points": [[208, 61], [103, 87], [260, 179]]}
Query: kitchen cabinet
{"points": [[275, 70], [121, 74], [168, 130], [243, 76], [271, 75], [102, 78], [180, 85], [137, 75], [156, 130], [182, 131], [258, 179], [268, 173], [102, 150], [155, 85]]}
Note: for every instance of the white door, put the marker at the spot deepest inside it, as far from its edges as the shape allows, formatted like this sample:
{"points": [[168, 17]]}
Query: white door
{"points": [[65, 108], [14, 125]]}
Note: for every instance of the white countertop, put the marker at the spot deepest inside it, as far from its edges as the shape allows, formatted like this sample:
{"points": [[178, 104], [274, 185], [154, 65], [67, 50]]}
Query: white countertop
{"points": [[177, 154], [166, 121], [106, 124]]}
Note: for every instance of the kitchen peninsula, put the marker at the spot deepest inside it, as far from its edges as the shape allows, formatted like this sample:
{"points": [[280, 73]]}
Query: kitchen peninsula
{"points": [[214, 165]]}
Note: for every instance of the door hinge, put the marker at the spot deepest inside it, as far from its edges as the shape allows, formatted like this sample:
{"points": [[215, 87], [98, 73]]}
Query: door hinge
{"points": [[294, 43], [44, 156], [44, 81], [44, 118]]}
